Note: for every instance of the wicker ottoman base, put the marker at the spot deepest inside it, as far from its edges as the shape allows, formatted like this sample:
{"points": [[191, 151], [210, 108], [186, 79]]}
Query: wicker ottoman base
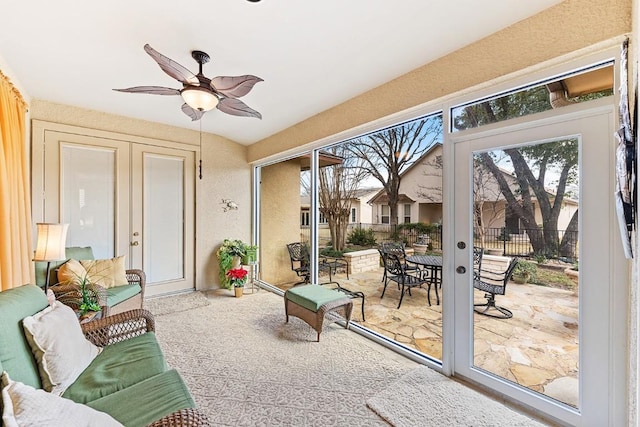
{"points": [[343, 306]]}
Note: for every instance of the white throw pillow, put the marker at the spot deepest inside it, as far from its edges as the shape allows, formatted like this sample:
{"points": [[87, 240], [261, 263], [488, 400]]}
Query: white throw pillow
{"points": [[25, 406], [60, 347], [106, 272]]}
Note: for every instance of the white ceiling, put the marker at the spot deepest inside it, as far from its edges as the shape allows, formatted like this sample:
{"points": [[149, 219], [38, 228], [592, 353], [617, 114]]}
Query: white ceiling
{"points": [[311, 55]]}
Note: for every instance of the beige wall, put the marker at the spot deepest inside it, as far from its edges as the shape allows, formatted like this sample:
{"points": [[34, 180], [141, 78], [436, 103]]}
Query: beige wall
{"points": [[226, 175], [280, 219], [565, 28]]}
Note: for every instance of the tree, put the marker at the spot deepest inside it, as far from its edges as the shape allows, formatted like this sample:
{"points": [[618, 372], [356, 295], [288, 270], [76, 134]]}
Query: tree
{"points": [[560, 156], [386, 154]]}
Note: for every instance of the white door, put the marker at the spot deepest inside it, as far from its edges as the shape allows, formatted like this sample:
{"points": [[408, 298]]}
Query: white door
{"points": [[162, 211], [526, 357], [120, 197]]}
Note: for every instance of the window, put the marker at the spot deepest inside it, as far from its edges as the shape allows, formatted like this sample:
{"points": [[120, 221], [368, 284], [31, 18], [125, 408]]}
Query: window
{"points": [[353, 215], [304, 218], [407, 213], [384, 218], [322, 219]]}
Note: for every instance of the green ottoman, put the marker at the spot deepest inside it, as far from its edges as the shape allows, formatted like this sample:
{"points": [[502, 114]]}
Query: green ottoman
{"points": [[311, 302]]}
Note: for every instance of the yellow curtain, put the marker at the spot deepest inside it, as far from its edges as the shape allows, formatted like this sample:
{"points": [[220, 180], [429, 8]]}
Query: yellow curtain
{"points": [[16, 249]]}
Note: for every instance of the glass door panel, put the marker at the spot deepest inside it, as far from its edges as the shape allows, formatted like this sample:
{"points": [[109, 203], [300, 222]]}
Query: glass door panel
{"points": [[540, 193]]}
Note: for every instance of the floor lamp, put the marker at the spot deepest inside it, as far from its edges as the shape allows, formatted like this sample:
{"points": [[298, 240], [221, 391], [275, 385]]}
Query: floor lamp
{"points": [[50, 246]]}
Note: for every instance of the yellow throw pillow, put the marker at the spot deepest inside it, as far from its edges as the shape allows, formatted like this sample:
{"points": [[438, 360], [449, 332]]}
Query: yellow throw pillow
{"points": [[59, 346], [24, 405], [71, 272], [106, 272]]}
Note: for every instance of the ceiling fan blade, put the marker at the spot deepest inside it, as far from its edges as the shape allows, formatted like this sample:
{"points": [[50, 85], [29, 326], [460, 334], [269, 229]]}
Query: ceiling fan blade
{"points": [[235, 107], [154, 90], [234, 86], [192, 112], [171, 67]]}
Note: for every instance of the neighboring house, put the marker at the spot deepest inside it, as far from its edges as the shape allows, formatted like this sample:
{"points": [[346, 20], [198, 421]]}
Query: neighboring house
{"points": [[421, 197], [361, 211]]}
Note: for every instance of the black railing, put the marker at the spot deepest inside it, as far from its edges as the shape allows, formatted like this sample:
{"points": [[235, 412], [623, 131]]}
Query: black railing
{"points": [[496, 240]]}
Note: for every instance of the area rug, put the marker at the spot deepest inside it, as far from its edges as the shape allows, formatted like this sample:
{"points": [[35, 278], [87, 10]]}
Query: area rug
{"points": [[246, 367], [426, 398], [175, 303]]}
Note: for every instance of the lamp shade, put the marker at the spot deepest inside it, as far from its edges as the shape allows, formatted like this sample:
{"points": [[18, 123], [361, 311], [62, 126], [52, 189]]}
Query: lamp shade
{"points": [[51, 242], [199, 98]]}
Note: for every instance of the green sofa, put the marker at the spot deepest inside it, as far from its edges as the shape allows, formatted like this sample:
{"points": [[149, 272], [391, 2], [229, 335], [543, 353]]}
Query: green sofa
{"points": [[128, 380], [114, 300]]}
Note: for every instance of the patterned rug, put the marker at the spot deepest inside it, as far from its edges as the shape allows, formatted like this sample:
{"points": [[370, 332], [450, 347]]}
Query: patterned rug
{"points": [[175, 303], [246, 367], [423, 394]]}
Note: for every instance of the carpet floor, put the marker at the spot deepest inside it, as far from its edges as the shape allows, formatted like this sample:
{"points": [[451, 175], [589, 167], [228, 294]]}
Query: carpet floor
{"points": [[246, 367]]}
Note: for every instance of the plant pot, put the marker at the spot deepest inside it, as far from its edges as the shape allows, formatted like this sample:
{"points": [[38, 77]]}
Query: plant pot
{"points": [[239, 291], [237, 262], [250, 257]]}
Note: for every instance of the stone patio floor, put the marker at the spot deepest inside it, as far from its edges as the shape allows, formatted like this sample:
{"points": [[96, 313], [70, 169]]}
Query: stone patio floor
{"points": [[537, 348]]}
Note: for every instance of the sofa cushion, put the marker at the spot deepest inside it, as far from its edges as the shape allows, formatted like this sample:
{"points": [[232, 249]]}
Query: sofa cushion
{"points": [[60, 347], [106, 272], [119, 366], [27, 406], [121, 293], [74, 252], [71, 272], [15, 352], [147, 401]]}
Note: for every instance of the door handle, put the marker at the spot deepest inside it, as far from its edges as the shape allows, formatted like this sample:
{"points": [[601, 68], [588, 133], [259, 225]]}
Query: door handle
{"points": [[135, 243]]}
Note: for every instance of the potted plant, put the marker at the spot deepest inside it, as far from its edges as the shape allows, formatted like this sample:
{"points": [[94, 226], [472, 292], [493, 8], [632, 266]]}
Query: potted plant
{"points": [[524, 272], [251, 254], [230, 256], [237, 278]]}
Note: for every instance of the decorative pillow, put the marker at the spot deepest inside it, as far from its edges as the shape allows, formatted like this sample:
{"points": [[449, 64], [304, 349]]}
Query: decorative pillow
{"points": [[106, 272], [59, 346], [71, 272], [24, 405]]}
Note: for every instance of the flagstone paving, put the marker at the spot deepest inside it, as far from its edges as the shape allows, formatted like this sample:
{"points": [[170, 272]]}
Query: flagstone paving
{"points": [[537, 348]]}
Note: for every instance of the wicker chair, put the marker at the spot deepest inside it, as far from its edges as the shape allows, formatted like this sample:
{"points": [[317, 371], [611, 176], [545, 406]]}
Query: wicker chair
{"points": [[122, 326]]}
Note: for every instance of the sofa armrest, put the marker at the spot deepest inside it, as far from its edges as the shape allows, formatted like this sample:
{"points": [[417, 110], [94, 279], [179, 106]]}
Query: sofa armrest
{"points": [[185, 417], [119, 327], [139, 277]]}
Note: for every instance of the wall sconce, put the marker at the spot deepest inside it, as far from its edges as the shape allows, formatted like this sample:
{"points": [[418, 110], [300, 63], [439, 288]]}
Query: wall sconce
{"points": [[50, 245], [229, 205]]}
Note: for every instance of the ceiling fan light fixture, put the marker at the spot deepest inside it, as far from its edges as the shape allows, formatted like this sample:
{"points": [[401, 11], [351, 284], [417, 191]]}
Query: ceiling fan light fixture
{"points": [[199, 98]]}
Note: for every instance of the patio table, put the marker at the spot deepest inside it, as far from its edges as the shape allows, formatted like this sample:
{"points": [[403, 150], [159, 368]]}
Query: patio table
{"points": [[432, 263]]}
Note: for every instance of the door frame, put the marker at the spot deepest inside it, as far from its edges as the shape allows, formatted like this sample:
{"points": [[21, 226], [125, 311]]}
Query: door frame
{"points": [[539, 126]]}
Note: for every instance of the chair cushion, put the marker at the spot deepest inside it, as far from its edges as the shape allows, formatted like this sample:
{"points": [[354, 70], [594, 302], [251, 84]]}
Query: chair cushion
{"points": [[147, 401], [119, 366], [312, 297], [60, 347], [24, 405], [106, 272], [118, 294], [15, 352]]}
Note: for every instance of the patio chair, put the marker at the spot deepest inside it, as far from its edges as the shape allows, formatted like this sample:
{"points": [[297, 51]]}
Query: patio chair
{"points": [[398, 249], [478, 252], [299, 255], [396, 272], [493, 283], [300, 261]]}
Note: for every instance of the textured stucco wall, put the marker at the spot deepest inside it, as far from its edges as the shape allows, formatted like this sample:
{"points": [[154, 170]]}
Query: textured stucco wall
{"points": [[226, 175], [280, 219], [559, 30]]}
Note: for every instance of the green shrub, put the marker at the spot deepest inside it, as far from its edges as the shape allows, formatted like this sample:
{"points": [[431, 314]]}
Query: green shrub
{"points": [[362, 237]]}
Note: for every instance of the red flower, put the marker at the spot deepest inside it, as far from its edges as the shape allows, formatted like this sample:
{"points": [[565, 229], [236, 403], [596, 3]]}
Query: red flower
{"points": [[237, 276]]}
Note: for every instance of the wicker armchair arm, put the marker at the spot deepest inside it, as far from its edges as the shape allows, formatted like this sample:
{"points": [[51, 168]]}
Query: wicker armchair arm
{"points": [[71, 294], [139, 277], [119, 327], [185, 417]]}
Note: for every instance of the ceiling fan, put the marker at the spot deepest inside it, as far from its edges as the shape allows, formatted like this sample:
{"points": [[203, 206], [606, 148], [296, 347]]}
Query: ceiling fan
{"points": [[200, 93]]}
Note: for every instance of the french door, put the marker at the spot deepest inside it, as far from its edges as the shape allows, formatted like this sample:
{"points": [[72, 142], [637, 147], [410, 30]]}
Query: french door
{"points": [[554, 355], [121, 195]]}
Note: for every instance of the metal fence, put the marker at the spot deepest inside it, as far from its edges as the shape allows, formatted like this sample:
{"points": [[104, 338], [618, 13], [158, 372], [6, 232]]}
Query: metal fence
{"points": [[496, 240]]}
